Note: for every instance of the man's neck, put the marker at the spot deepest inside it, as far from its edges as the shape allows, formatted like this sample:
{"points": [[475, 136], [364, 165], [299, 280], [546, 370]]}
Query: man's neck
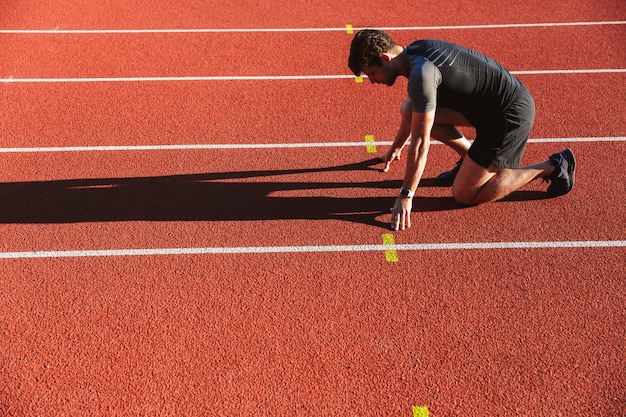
{"points": [[399, 61]]}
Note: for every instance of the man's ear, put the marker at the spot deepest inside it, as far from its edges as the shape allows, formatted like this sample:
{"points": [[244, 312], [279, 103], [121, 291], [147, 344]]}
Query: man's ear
{"points": [[386, 57]]}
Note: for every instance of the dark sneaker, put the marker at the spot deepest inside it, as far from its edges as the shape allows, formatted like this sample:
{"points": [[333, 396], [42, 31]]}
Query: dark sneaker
{"points": [[562, 179], [445, 179]]}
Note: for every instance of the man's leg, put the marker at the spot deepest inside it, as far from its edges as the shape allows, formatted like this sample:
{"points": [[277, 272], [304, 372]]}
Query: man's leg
{"points": [[450, 135], [445, 130], [476, 184]]}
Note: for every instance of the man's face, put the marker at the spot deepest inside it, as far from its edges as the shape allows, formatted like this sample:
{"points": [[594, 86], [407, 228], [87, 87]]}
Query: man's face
{"points": [[380, 75]]}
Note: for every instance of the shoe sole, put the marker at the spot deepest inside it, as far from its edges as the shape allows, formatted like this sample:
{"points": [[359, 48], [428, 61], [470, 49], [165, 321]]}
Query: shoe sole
{"points": [[571, 166], [443, 179], [568, 155]]}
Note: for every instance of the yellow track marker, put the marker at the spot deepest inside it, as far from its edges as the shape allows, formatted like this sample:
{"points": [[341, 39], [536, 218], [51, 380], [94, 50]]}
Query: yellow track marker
{"points": [[358, 80], [349, 29], [370, 148], [420, 412], [390, 255]]}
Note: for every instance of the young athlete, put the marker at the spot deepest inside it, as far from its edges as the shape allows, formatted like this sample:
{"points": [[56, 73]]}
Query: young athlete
{"points": [[449, 86]]}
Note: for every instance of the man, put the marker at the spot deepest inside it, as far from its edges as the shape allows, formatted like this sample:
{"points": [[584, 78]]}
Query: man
{"points": [[451, 86]]}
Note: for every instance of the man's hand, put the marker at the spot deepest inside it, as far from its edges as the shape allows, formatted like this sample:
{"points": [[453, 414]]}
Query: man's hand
{"points": [[393, 154], [401, 213]]}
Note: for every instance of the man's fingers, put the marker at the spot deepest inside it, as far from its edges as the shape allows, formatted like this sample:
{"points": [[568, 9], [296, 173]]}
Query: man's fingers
{"points": [[395, 220], [400, 220], [389, 161]]}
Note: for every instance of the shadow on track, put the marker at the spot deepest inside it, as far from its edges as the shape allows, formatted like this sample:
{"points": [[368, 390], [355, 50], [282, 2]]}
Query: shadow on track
{"points": [[222, 196], [201, 197]]}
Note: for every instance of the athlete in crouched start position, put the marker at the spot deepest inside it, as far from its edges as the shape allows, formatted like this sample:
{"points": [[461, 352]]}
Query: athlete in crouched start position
{"points": [[449, 86]]}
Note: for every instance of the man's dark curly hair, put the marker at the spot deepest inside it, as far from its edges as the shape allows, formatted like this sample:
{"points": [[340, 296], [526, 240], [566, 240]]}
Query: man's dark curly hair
{"points": [[366, 48]]}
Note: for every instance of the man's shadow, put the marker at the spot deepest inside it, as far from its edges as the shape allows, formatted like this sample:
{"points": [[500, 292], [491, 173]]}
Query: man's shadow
{"points": [[201, 197]]}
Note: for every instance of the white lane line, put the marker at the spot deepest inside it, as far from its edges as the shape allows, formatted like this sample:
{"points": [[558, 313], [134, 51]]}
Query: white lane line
{"points": [[587, 139], [311, 249], [504, 26], [200, 146], [288, 30], [573, 71], [209, 146], [170, 79], [13, 80]]}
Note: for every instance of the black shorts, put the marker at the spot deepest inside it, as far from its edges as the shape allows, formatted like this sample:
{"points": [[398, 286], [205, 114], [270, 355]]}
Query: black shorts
{"points": [[502, 142]]}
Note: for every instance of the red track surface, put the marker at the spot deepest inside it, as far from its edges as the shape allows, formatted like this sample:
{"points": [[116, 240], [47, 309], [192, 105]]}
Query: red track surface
{"points": [[463, 332]]}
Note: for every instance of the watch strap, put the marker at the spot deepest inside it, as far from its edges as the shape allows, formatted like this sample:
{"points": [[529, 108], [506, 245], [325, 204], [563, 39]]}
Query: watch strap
{"points": [[405, 192]]}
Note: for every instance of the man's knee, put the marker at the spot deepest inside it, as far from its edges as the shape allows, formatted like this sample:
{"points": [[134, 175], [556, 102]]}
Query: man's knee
{"points": [[463, 196], [447, 116], [470, 182]]}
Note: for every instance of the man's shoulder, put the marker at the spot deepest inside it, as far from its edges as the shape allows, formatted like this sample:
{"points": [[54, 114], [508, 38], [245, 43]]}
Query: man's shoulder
{"points": [[423, 80], [424, 46], [420, 67]]}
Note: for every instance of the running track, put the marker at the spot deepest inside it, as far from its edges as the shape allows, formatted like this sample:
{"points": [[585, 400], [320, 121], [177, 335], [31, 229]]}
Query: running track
{"points": [[191, 221]]}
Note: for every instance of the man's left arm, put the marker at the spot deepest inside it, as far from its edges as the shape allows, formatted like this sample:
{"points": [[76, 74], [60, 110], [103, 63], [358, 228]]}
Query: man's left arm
{"points": [[421, 126]]}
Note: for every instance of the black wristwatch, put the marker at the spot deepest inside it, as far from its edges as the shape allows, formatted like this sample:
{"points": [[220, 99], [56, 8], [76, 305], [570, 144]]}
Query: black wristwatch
{"points": [[405, 192]]}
